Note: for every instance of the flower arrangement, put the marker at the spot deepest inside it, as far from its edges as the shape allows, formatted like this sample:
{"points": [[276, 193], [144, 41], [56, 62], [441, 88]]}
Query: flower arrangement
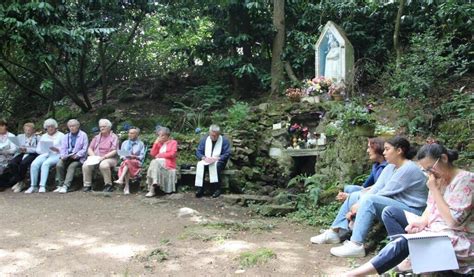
{"points": [[294, 94], [298, 134], [318, 85], [337, 89]]}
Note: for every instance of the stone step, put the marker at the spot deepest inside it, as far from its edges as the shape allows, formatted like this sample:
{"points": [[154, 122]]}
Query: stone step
{"points": [[246, 199]]}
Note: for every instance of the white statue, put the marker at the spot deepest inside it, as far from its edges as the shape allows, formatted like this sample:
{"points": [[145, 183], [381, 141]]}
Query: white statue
{"points": [[332, 67]]}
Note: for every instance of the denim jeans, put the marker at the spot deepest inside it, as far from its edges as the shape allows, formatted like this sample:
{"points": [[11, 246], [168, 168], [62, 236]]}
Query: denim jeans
{"points": [[42, 163], [391, 255], [394, 220], [340, 221], [352, 188], [370, 207]]}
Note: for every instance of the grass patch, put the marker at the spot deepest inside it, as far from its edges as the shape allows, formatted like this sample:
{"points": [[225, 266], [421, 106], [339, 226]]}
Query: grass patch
{"points": [[222, 230], [258, 257], [156, 255]]}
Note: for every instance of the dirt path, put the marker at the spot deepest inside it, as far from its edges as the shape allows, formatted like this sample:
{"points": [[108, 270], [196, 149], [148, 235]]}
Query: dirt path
{"points": [[81, 234]]}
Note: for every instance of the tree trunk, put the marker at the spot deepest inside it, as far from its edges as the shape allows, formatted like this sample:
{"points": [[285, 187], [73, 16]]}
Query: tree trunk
{"points": [[396, 33], [289, 71], [278, 43], [103, 72]]}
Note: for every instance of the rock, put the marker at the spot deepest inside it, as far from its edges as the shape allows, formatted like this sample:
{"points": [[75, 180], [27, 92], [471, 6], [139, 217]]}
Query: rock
{"points": [[245, 199], [279, 132], [263, 107], [275, 152], [275, 210], [187, 212]]}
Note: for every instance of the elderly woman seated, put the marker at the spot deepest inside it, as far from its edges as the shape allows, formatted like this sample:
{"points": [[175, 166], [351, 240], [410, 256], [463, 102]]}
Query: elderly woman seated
{"points": [[132, 154], [102, 152], [25, 156], [7, 149], [162, 170], [48, 150], [73, 153]]}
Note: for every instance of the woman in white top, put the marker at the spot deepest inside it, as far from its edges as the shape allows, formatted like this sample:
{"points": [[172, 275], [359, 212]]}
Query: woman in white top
{"points": [[24, 157], [48, 150], [7, 149]]}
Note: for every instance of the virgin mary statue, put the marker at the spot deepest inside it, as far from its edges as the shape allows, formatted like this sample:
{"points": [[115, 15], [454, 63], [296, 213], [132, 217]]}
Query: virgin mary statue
{"points": [[332, 68]]}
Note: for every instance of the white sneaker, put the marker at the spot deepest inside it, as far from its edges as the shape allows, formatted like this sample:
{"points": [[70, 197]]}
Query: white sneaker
{"points": [[328, 237], [349, 249], [62, 189], [58, 188], [150, 194], [42, 190], [15, 187], [31, 190]]}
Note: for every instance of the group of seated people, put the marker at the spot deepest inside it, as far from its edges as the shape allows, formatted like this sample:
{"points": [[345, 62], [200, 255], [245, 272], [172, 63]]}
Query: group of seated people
{"points": [[433, 190], [67, 152]]}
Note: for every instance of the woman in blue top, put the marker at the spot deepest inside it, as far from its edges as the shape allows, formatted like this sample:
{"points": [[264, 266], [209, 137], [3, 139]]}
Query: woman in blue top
{"points": [[375, 148], [401, 184]]}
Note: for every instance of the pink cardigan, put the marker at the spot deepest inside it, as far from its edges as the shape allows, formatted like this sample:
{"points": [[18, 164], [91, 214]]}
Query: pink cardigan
{"points": [[170, 154]]}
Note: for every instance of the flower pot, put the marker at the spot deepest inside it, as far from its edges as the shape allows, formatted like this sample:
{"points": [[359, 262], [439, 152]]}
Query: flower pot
{"points": [[364, 130], [337, 97], [311, 99]]}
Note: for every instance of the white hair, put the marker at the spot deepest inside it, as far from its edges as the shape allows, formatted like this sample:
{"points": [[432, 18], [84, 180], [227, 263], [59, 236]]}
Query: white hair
{"points": [[50, 122], [215, 128], [164, 131], [105, 122], [135, 128], [73, 122]]}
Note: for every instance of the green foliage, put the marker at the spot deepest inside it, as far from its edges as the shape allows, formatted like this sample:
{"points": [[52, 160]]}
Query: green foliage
{"points": [[257, 257], [359, 180], [322, 216], [236, 114], [190, 118], [354, 115], [424, 67], [211, 95]]}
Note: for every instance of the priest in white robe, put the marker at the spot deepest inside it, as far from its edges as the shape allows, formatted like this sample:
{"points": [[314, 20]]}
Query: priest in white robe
{"points": [[213, 152]]}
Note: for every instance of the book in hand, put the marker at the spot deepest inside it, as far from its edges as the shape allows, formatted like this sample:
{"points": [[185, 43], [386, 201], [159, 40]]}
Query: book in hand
{"points": [[430, 252]]}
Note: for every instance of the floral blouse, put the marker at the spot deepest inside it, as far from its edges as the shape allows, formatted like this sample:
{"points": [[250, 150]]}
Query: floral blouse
{"points": [[459, 197]]}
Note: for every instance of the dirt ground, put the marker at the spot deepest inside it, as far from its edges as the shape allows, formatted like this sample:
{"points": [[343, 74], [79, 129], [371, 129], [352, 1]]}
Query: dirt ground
{"points": [[85, 234]]}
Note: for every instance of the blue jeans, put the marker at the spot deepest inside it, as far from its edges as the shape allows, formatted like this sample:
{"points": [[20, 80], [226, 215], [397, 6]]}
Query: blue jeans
{"points": [[340, 221], [394, 220], [391, 255], [352, 188], [42, 163], [370, 207]]}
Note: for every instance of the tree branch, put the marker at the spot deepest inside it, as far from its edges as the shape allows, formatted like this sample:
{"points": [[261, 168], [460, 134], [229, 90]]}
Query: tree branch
{"points": [[21, 84]]}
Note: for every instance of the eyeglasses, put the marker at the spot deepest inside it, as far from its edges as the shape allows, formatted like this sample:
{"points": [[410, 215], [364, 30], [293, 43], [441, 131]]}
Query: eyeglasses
{"points": [[429, 169], [102, 126]]}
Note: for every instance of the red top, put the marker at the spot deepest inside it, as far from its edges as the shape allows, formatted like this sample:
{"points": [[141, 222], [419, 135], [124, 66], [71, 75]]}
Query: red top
{"points": [[170, 154]]}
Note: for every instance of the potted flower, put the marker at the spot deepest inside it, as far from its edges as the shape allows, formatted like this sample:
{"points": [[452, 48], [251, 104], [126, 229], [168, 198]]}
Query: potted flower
{"points": [[359, 119], [294, 94], [337, 91], [315, 88]]}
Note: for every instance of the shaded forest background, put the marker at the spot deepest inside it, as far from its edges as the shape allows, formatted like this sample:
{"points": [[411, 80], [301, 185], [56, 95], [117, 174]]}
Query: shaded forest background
{"points": [[185, 64]]}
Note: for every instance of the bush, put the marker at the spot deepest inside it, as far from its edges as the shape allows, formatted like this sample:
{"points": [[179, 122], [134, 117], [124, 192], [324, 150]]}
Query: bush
{"points": [[236, 115]]}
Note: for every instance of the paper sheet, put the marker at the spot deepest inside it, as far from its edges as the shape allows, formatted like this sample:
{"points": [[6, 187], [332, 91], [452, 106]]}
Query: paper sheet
{"points": [[411, 217], [45, 145], [124, 153], [15, 141], [432, 254]]}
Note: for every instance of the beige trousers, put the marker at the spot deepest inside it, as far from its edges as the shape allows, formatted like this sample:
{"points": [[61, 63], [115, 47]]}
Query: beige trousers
{"points": [[105, 168]]}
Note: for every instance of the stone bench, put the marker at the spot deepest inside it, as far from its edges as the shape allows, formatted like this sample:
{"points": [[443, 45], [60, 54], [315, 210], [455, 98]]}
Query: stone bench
{"points": [[226, 174]]}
